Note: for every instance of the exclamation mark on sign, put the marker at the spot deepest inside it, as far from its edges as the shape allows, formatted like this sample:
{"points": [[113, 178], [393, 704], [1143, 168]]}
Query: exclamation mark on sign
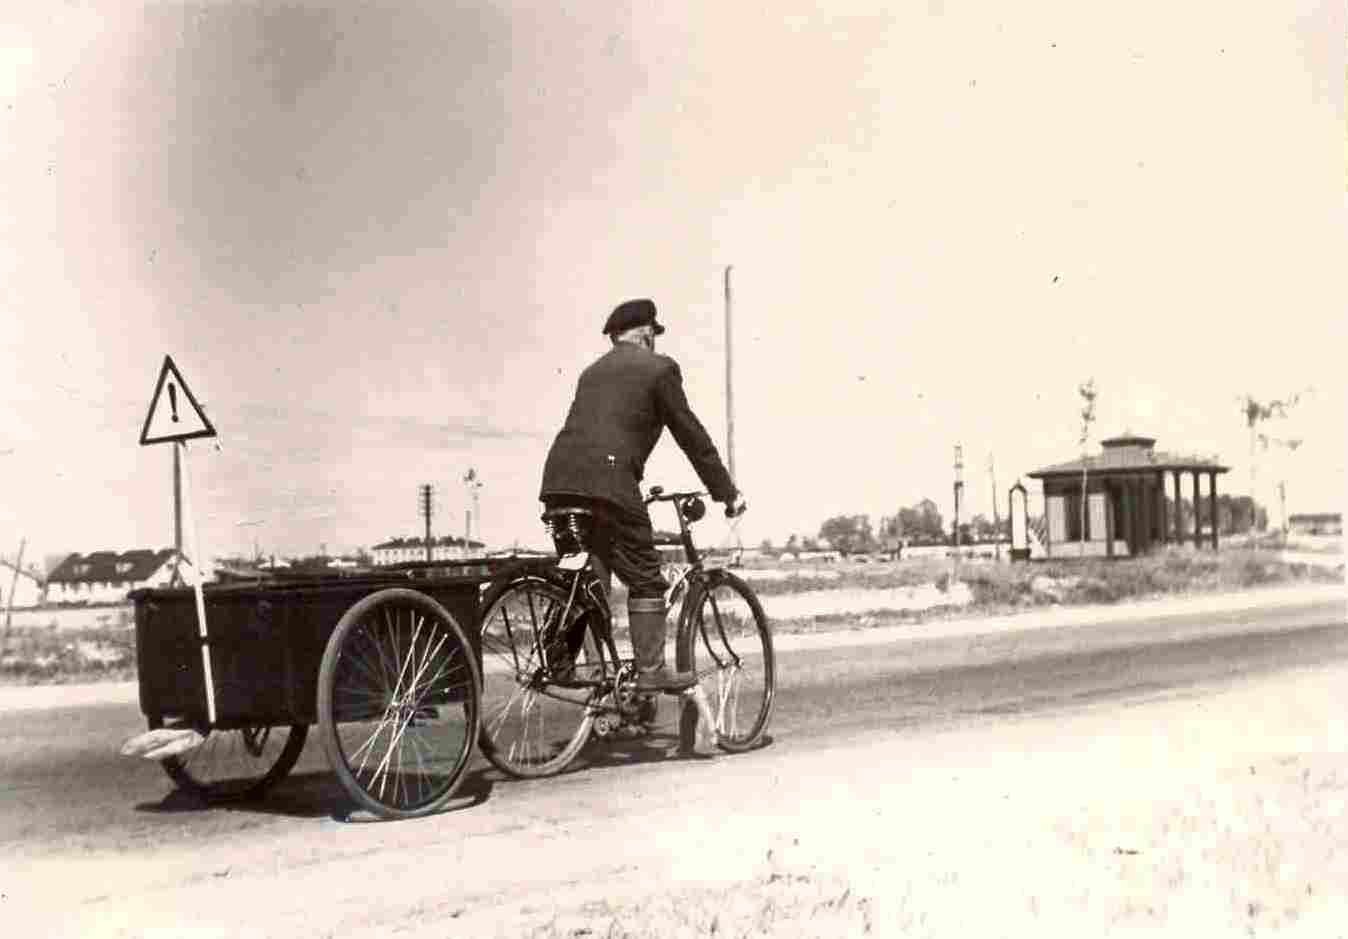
{"points": [[173, 400]]}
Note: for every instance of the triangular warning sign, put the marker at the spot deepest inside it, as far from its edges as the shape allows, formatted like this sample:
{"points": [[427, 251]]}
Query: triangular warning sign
{"points": [[174, 413]]}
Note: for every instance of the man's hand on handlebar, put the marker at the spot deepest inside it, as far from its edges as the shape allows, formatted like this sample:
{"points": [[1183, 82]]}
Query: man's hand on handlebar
{"points": [[736, 507]]}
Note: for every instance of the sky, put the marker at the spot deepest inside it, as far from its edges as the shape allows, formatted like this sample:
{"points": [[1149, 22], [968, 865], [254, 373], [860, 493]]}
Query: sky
{"points": [[380, 240]]}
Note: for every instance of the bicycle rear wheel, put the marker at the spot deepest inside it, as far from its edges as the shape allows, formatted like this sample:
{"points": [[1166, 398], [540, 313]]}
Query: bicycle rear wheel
{"points": [[724, 637], [398, 703], [541, 676]]}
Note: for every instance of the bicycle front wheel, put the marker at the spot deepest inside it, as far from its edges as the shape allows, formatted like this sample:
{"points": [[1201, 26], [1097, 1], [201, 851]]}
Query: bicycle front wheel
{"points": [[542, 672], [724, 637], [398, 703]]}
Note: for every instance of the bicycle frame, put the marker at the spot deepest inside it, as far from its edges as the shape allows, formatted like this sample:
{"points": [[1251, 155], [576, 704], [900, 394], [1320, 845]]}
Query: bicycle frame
{"points": [[576, 573]]}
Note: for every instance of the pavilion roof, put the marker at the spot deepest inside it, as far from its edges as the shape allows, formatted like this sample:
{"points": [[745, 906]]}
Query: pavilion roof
{"points": [[1132, 454]]}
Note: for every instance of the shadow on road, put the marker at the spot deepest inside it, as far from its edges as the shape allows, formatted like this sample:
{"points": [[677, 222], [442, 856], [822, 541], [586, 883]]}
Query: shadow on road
{"points": [[657, 747], [313, 795]]}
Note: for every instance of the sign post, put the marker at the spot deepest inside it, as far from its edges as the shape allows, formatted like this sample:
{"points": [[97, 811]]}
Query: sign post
{"points": [[1017, 505], [176, 417], [959, 491]]}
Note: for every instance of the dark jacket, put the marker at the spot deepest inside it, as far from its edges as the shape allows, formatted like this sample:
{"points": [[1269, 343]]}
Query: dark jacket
{"points": [[623, 401]]}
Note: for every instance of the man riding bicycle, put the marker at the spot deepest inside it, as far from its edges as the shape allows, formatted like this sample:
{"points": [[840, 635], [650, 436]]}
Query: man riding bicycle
{"points": [[623, 402]]}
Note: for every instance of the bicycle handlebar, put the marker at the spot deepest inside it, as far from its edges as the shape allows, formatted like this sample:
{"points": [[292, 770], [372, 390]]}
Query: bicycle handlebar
{"points": [[689, 500], [658, 494]]}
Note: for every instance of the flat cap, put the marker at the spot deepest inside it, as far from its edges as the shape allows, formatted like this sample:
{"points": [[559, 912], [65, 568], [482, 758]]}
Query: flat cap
{"points": [[630, 314]]}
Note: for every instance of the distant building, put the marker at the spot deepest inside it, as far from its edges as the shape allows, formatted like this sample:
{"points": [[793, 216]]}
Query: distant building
{"points": [[107, 576], [403, 550], [1316, 523], [29, 589], [1126, 499], [233, 570]]}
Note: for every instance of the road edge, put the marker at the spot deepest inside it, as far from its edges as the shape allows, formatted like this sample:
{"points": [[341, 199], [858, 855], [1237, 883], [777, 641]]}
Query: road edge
{"points": [[16, 698]]}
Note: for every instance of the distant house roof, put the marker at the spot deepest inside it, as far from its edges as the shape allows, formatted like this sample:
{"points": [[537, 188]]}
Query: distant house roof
{"points": [[108, 566], [1130, 452], [446, 541]]}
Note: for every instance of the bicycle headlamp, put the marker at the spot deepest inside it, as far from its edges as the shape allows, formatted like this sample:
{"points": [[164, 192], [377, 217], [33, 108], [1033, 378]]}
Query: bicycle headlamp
{"points": [[694, 508]]}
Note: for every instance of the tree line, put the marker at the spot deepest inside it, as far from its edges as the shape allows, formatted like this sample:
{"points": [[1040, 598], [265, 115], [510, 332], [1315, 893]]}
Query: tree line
{"points": [[915, 525], [922, 524]]}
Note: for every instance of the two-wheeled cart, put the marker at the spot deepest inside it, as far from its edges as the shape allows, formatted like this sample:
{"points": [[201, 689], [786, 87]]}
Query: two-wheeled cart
{"points": [[386, 664]]}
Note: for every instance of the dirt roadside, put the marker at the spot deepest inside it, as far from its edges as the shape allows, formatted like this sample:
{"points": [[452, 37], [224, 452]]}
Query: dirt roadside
{"points": [[1219, 812], [1219, 815]]}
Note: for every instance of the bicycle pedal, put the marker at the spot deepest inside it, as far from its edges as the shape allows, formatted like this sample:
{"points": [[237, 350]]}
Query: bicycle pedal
{"points": [[628, 731]]}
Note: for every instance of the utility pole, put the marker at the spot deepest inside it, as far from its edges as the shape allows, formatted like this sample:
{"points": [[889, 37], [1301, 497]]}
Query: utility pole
{"points": [[13, 586], [959, 490], [729, 384], [471, 515], [424, 504], [1282, 499], [996, 520]]}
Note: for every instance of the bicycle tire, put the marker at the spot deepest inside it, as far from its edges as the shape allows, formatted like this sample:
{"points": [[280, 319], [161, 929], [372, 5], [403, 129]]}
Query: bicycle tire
{"points": [[740, 678], [517, 687], [398, 683], [256, 765]]}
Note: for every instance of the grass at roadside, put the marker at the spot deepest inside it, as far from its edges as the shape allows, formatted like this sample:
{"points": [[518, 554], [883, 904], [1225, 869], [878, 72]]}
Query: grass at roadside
{"points": [[33, 655], [1090, 580], [989, 589]]}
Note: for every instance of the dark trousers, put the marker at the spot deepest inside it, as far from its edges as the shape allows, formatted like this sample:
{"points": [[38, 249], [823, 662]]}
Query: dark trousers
{"points": [[622, 542]]}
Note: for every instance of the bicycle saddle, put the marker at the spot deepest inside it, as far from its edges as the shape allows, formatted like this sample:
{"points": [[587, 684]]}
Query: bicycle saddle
{"points": [[569, 528]]}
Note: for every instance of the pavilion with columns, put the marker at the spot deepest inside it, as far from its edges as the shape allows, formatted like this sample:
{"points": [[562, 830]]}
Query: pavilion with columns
{"points": [[1126, 491]]}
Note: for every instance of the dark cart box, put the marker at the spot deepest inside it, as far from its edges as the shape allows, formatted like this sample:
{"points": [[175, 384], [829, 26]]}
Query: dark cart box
{"points": [[267, 639]]}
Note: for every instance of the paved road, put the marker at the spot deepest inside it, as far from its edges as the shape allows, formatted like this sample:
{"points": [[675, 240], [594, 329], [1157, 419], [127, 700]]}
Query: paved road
{"points": [[64, 788]]}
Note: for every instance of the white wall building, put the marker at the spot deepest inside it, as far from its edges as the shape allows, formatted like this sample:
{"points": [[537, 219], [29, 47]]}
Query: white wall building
{"points": [[108, 576], [405, 550]]}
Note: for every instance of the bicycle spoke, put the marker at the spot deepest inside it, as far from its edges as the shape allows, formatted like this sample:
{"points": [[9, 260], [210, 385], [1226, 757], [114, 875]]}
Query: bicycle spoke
{"points": [[720, 628], [533, 722], [730, 635], [399, 702]]}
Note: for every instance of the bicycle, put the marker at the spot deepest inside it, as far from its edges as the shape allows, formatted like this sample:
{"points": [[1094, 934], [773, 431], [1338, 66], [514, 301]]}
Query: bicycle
{"points": [[552, 677]]}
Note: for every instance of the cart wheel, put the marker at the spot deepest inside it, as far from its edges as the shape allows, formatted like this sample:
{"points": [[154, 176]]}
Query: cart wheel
{"points": [[398, 703], [233, 765]]}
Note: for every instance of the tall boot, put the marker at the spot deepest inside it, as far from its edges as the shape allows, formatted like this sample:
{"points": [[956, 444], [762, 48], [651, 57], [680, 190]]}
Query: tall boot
{"points": [[646, 623]]}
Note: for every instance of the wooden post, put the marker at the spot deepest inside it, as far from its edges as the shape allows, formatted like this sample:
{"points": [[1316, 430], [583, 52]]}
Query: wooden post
{"points": [[959, 487], [425, 500], [199, 576], [1130, 493], [1048, 522], [1125, 519], [1179, 507], [1148, 506], [996, 521], [1212, 504], [1198, 527], [1163, 523], [1109, 520], [177, 502], [13, 586]]}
